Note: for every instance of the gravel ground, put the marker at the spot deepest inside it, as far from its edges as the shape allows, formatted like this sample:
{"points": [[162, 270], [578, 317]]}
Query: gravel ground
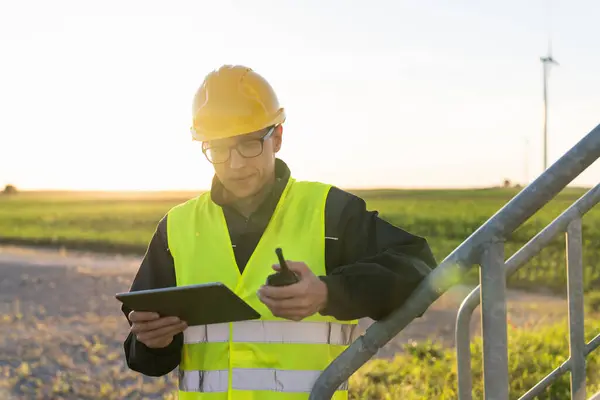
{"points": [[62, 331]]}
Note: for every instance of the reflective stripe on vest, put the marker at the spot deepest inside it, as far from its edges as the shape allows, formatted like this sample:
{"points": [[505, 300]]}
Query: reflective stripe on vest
{"points": [[272, 332], [249, 379], [269, 358]]}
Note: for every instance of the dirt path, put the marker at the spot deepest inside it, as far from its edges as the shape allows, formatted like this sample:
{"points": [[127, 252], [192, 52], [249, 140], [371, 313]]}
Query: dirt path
{"points": [[437, 324]]}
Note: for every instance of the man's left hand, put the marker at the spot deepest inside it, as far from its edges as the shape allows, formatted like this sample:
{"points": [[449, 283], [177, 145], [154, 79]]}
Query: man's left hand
{"points": [[299, 300]]}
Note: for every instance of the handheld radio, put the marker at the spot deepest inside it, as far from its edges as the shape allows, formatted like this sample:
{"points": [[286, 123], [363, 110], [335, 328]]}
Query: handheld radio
{"points": [[283, 277]]}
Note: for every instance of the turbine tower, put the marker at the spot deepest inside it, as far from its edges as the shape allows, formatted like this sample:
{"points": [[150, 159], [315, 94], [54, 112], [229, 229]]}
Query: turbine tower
{"points": [[547, 62]]}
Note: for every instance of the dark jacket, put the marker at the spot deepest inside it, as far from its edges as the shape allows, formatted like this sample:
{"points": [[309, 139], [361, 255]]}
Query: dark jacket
{"points": [[372, 267]]}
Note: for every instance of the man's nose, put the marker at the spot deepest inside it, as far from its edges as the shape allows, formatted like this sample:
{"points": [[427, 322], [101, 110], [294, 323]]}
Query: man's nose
{"points": [[236, 161]]}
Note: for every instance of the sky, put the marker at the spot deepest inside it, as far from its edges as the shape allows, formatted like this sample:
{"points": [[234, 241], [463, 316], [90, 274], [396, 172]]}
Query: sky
{"points": [[97, 95]]}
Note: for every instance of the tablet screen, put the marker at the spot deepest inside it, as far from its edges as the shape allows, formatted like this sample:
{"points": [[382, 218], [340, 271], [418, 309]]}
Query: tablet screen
{"points": [[201, 304]]}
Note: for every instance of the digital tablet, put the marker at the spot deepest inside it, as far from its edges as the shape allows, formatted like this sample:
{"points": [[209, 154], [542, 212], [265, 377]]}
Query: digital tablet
{"points": [[209, 303]]}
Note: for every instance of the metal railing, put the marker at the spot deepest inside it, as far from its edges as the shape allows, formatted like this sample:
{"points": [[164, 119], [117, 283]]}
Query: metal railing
{"points": [[570, 222], [485, 247]]}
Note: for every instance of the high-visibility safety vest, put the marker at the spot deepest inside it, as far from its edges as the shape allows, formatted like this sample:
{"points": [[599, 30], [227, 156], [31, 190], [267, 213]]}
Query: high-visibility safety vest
{"points": [[269, 358]]}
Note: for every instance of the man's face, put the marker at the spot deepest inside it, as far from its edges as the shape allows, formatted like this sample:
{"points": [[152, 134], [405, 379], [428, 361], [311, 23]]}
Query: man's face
{"points": [[247, 173]]}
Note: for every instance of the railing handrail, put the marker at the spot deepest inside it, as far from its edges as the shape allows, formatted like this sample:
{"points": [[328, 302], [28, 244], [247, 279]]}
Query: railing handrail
{"points": [[533, 247], [454, 266]]}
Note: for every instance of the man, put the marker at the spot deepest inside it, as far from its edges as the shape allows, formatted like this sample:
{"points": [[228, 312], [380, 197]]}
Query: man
{"points": [[350, 263]]}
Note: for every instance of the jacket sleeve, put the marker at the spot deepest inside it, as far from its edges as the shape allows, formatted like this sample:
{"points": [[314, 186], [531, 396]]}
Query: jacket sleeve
{"points": [[373, 266], [156, 271]]}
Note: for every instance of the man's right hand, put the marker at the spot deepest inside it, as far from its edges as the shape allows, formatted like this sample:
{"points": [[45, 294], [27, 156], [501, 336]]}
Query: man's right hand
{"points": [[154, 331]]}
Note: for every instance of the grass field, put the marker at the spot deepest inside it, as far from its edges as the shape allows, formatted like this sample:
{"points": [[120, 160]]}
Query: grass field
{"points": [[54, 347], [126, 221], [427, 371]]}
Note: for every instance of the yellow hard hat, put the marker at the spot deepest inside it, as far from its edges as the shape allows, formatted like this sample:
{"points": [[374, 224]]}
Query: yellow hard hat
{"points": [[234, 100]]}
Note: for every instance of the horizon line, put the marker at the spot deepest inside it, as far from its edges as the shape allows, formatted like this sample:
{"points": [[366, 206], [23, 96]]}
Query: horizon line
{"points": [[349, 189]]}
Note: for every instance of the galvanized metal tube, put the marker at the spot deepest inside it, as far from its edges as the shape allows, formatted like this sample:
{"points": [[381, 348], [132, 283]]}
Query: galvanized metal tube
{"points": [[542, 385], [493, 322], [463, 351], [576, 316], [558, 372], [520, 258], [452, 269], [592, 345]]}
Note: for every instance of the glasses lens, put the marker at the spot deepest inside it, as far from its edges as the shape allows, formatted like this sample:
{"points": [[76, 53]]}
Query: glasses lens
{"points": [[217, 155], [250, 148]]}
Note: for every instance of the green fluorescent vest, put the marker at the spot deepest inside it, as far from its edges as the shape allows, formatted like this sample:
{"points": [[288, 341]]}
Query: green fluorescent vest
{"points": [[270, 358]]}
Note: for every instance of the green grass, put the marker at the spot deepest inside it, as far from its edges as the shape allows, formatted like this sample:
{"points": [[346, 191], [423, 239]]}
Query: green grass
{"points": [[126, 221], [428, 371], [93, 221]]}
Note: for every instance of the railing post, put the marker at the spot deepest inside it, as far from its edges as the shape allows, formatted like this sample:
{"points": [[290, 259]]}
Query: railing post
{"points": [[493, 321], [463, 351], [576, 316]]}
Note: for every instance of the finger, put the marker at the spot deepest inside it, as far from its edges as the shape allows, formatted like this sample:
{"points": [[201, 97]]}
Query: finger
{"points": [[294, 314], [292, 265], [294, 309], [286, 304], [159, 343], [153, 325], [283, 292], [299, 268], [162, 333], [139, 316]]}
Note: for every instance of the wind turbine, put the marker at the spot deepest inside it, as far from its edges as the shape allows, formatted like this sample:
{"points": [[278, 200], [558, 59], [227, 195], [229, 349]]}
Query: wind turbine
{"points": [[547, 62]]}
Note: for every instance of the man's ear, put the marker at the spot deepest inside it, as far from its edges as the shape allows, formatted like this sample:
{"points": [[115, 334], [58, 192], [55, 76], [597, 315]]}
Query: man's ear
{"points": [[277, 138]]}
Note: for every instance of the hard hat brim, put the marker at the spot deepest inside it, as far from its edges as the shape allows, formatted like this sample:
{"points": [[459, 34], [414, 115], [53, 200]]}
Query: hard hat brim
{"points": [[203, 135]]}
